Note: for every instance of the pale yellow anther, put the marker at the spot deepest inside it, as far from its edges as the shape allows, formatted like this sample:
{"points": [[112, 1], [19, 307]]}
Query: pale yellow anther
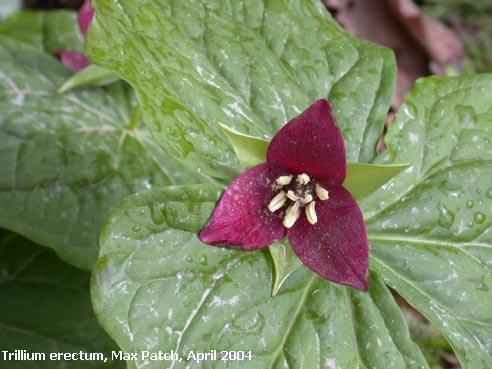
{"points": [[311, 212], [283, 180], [322, 193], [292, 214], [277, 202], [307, 199], [292, 196], [303, 179]]}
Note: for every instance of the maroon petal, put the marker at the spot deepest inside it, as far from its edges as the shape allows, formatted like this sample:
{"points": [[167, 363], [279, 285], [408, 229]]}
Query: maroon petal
{"points": [[312, 143], [242, 217], [73, 60], [335, 247], [84, 17]]}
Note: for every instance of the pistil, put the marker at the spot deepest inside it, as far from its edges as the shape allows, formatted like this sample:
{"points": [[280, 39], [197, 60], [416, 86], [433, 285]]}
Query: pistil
{"points": [[292, 196], [300, 195]]}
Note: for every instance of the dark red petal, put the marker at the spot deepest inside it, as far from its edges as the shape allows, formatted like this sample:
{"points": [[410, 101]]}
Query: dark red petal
{"points": [[312, 143], [84, 17], [242, 218], [73, 60], [335, 247]]}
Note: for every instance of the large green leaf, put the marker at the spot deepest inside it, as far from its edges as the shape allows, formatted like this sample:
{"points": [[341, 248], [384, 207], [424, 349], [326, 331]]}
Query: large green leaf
{"points": [[46, 308], [51, 31], [67, 159], [430, 227], [157, 287], [251, 65]]}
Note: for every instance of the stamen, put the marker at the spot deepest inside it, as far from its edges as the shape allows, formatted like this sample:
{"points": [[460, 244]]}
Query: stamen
{"points": [[307, 199], [284, 180], [322, 193], [292, 196], [303, 179], [311, 213], [277, 202], [292, 214]]}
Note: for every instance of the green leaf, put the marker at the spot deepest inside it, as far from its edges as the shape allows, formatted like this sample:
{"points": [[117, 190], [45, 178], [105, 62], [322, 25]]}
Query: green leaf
{"points": [[66, 160], [91, 75], [46, 308], [250, 65], [364, 179], [50, 31], [157, 287], [430, 228]]}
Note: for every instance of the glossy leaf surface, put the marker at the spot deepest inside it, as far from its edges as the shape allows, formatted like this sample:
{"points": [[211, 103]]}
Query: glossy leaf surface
{"points": [[430, 227], [251, 65], [157, 287], [67, 159]]}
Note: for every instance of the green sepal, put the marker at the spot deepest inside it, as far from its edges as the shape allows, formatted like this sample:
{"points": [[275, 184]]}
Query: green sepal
{"points": [[91, 75], [363, 179], [249, 150], [285, 262]]}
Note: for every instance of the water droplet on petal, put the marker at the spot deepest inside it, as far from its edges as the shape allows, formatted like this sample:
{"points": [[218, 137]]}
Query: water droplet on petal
{"points": [[136, 228], [189, 259], [470, 203], [203, 260]]}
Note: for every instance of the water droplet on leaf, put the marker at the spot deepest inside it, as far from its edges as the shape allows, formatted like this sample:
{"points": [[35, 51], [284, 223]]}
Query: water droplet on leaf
{"points": [[446, 217], [489, 193], [479, 218], [249, 323]]}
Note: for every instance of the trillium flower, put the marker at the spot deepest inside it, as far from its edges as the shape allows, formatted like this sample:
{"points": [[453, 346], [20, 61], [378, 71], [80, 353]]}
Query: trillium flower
{"points": [[75, 60], [298, 193]]}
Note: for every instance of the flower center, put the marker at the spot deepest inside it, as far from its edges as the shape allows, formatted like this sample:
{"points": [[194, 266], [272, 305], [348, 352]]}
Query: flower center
{"points": [[299, 194]]}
